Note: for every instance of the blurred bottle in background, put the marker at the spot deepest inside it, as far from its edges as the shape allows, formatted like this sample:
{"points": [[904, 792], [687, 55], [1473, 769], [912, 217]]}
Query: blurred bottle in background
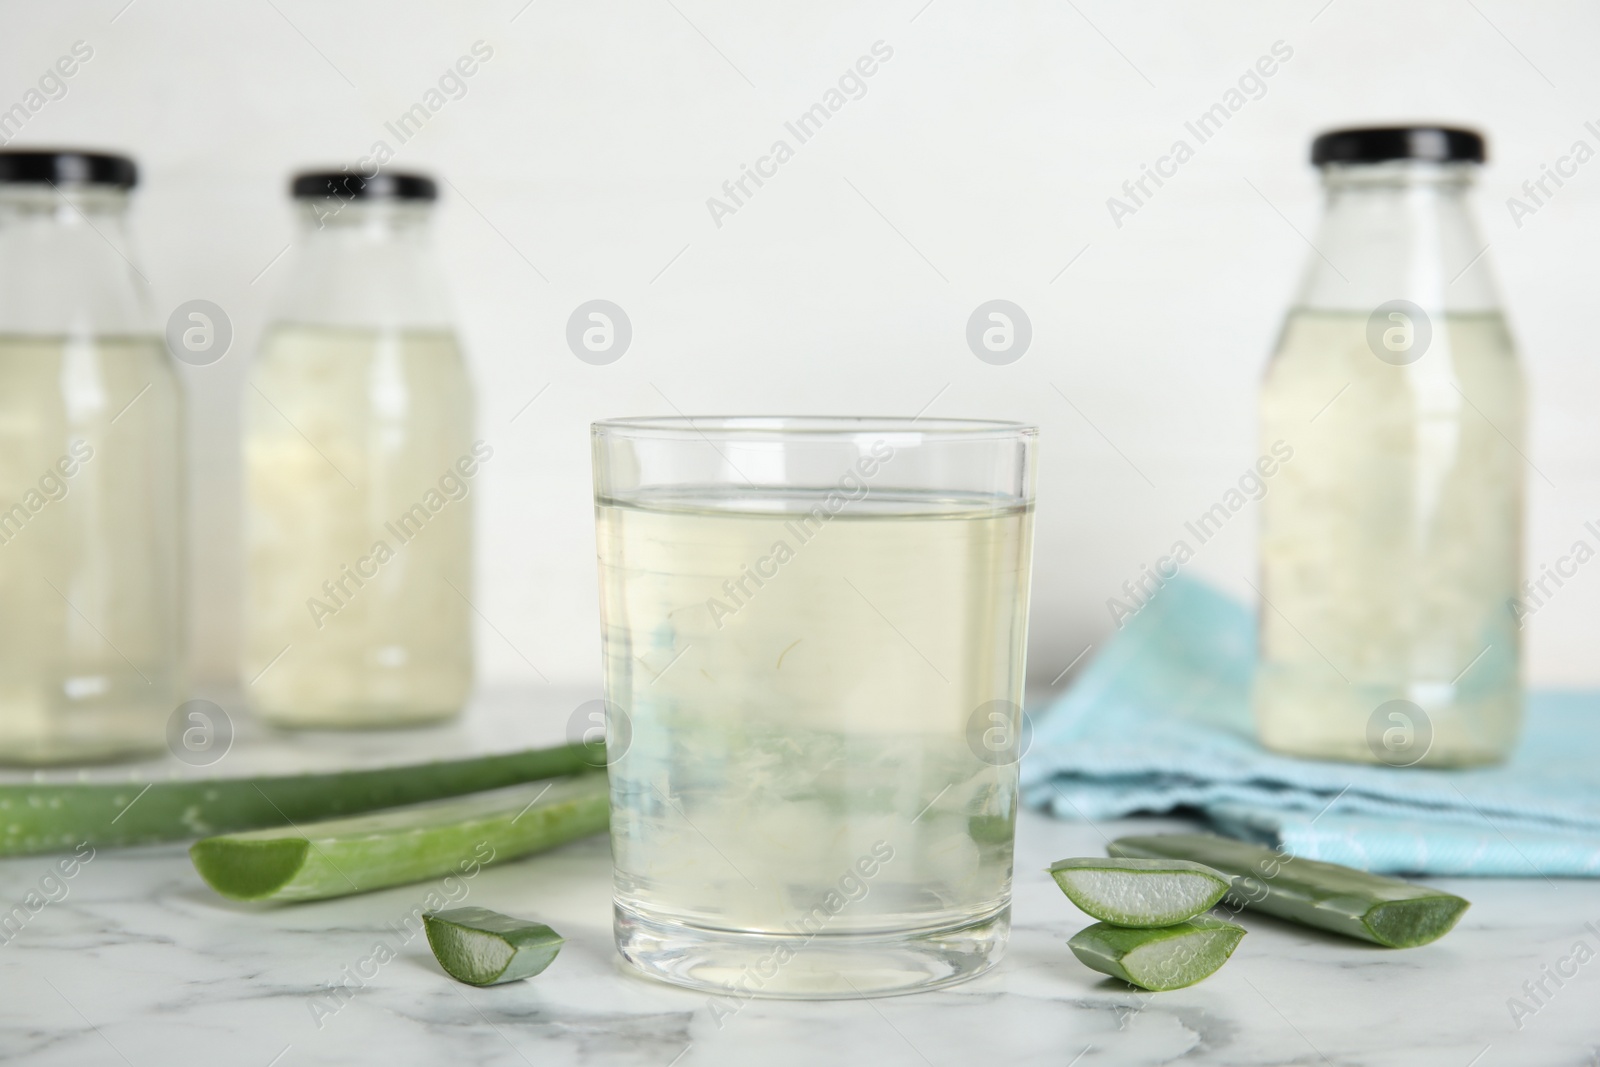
{"points": [[1391, 543], [359, 463], [91, 588]]}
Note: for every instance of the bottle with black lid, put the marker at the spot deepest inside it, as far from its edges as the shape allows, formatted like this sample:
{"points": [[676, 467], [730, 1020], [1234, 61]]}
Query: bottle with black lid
{"points": [[1391, 531], [360, 468], [91, 510]]}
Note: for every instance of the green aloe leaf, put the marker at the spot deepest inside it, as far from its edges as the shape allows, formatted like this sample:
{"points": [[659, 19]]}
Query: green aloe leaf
{"points": [[338, 857], [51, 817], [483, 947], [1346, 901], [1139, 892], [1161, 957]]}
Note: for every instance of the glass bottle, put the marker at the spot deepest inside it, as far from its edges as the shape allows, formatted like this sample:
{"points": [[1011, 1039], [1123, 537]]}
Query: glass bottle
{"points": [[359, 468], [1391, 536], [91, 509]]}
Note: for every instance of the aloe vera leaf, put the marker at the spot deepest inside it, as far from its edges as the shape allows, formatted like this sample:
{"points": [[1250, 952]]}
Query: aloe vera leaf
{"points": [[1157, 958], [50, 817], [1139, 892], [1346, 901], [365, 852], [483, 947]]}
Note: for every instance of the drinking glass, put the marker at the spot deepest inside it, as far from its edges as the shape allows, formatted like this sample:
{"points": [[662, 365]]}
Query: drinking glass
{"points": [[813, 634]]}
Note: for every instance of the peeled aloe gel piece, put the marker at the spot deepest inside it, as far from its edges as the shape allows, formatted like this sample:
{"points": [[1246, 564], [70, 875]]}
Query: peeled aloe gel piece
{"points": [[1139, 892], [1157, 958], [483, 947], [1390, 912]]}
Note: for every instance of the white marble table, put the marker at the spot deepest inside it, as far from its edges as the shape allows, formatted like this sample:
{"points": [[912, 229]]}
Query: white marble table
{"points": [[139, 964]]}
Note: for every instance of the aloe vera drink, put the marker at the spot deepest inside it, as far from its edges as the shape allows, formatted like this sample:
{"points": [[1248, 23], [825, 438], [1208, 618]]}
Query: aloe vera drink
{"points": [[820, 780]]}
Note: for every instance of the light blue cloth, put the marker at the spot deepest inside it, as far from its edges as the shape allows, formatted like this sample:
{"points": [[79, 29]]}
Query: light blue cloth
{"points": [[1161, 719]]}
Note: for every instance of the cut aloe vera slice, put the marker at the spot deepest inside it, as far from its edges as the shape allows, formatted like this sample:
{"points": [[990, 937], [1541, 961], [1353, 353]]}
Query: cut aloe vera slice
{"points": [[49, 817], [483, 947], [1139, 892], [1157, 958], [1346, 901], [355, 855]]}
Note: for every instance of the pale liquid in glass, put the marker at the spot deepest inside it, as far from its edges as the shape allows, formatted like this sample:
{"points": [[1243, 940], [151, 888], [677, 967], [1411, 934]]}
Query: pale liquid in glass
{"points": [[358, 540], [91, 638], [812, 760], [1391, 542]]}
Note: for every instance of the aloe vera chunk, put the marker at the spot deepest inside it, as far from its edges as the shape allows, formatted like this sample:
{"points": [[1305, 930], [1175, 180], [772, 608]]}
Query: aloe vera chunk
{"points": [[1157, 958], [1346, 901], [483, 947], [1139, 892], [366, 852], [53, 817]]}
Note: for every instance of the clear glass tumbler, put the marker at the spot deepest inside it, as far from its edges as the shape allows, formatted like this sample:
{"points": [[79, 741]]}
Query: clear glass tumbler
{"points": [[814, 632]]}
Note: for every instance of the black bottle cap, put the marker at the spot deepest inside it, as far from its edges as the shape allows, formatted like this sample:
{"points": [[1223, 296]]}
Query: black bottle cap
{"points": [[67, 166], [342, 185], [1378, 144]]}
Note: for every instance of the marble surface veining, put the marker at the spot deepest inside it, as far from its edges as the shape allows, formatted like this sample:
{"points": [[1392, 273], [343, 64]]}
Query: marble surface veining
{"points": [[133, 961]]}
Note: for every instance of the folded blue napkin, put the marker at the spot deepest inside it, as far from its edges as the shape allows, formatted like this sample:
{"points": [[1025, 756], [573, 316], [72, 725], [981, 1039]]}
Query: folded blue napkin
{"points": [[1161, 720]]}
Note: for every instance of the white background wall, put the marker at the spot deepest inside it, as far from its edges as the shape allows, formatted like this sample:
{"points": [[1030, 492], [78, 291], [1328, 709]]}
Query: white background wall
{"points": [[976, 166]]}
